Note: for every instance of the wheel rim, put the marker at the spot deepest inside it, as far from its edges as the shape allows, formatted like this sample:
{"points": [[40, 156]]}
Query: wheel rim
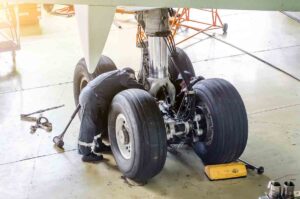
{"points": [[208, 134], [123, 137], [83, 83]]}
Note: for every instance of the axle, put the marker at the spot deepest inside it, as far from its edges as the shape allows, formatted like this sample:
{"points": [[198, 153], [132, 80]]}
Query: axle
{"points": [[178, 128]]}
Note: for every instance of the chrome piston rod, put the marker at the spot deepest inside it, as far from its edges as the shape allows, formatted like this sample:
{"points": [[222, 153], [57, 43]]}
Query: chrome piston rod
{"points": [[158, 55], [155, 23]]}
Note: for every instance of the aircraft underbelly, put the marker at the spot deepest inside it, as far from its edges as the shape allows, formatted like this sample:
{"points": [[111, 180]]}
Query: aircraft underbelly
{"points": [[96, 16]]}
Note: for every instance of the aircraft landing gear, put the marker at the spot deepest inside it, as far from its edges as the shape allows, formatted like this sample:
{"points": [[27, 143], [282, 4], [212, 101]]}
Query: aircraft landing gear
{"points": [[208, 114]]}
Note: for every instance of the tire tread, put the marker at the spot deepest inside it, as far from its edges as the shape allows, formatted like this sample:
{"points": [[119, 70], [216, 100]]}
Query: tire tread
{"points": [[230, 120]]}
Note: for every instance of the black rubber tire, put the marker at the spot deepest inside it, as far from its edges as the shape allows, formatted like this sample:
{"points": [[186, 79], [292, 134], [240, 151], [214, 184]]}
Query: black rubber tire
{"points": [[82, 76], [80, 79], [48, 7], [147, 132], [183, 62], [104, 65], [225, 111]]}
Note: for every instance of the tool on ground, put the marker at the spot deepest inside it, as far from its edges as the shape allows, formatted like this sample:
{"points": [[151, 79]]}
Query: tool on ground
{"points": [[225, 171], [288, 190], [276, 191], [25, 116], [58, 140], [259, 170], [29, 119], [41, 122]]}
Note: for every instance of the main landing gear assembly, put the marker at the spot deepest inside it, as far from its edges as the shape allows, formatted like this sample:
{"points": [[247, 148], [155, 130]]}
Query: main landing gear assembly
{"points": [[208, 115]]}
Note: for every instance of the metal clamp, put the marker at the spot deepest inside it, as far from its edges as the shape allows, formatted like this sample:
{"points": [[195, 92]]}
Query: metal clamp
{"points": [[43, 123]]}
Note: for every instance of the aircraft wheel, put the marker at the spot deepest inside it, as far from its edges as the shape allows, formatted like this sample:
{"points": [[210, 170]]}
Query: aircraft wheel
{"points": [[81, 79], [104, 65], [225, 122], [82, 76], [183, 62], [137, 134]]}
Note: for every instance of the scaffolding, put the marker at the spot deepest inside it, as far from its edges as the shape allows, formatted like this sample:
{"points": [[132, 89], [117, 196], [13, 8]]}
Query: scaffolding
{"points": [[182, 18], [9, 29]]}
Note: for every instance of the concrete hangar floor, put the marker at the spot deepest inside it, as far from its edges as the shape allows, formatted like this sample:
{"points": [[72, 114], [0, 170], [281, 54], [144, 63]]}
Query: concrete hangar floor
{"points": [[31, 168]]}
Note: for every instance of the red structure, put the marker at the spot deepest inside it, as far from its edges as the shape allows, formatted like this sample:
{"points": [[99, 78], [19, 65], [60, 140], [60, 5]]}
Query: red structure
{"points": [[183, 18]]}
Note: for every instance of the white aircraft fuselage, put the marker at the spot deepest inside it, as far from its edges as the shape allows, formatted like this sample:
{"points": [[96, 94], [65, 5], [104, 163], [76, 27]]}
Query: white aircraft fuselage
{"points": [[96, 16]]}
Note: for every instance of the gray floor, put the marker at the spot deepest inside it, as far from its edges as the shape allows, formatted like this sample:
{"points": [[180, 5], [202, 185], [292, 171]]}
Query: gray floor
{"points": [[30, 167]]}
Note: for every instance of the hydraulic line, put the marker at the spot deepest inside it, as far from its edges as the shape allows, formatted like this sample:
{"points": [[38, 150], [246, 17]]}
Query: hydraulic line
{"points": [[189, 109], [254, 56]]}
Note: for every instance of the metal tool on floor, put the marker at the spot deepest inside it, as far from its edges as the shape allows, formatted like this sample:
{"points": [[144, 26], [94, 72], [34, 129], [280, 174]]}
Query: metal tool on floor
{"points": [[259, 170], [26, 116], [58, 140], [276, 191], [42, 123]]}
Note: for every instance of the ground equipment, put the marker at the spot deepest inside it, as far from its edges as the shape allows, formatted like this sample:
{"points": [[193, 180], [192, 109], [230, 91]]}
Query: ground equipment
{"points": [[67, 10], [225, 171], [259, 170], [24, 116], [230, 170], [40, 122], [182, 18], [59, 140], [277, 191]]}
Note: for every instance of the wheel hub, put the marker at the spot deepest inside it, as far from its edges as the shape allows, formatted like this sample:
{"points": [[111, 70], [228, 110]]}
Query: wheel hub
{"points": [[83, 83], [123, 136], [207, 123]]}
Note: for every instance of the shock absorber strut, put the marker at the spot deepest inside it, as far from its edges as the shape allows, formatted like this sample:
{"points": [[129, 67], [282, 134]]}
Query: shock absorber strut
{"points": [[155, 23]]}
